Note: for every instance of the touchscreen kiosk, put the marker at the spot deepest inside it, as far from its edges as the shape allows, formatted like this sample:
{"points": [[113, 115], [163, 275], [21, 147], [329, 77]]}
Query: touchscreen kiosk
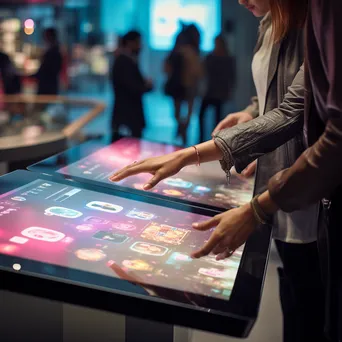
{"points": [[127, 245], [205, 185]]}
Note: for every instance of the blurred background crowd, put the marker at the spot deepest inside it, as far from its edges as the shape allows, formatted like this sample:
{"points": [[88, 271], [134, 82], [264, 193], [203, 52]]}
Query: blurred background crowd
{"points": [[167, 70]]}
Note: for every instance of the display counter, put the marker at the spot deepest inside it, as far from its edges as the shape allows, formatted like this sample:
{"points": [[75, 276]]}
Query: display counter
{"points": [[70, 238], [37, 126]]}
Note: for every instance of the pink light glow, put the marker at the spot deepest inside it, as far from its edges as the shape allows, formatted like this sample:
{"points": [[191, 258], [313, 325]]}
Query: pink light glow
{"points": [[29, 23]]}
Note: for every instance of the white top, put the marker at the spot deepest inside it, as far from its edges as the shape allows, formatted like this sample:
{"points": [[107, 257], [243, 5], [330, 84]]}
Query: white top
{"points": [[299, 226], [260, 66]]}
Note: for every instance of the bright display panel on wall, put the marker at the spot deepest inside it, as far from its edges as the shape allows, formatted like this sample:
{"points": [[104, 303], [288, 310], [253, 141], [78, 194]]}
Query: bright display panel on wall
{"points": [[166, 17]]}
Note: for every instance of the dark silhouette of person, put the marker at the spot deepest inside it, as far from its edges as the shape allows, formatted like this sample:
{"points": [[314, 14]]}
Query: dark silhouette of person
{"points": [[50, 69], [129, 86], [219, 67], [10, 78], [183, 69]]}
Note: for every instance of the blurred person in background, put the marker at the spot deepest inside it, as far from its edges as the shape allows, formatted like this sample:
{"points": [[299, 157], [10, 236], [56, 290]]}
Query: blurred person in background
{"points": [[184, 70], [10, 79], [219, 68], [129, 86], [48, 75]]}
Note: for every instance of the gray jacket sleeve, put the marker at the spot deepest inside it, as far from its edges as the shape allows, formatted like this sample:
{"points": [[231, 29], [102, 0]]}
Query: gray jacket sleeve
{"points": [[246, 142], [253, 108]]}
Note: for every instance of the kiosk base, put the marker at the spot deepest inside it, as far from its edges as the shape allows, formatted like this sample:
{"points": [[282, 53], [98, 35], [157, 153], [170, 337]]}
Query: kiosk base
{"points": [[26, 318]]}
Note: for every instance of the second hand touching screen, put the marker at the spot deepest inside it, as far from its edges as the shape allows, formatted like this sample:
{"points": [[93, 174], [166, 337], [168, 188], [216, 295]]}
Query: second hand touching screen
{"points": [[206, 184], [113, 236]]}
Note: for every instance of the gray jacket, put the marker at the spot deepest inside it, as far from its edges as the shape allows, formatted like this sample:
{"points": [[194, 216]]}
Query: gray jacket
{"points": [[275, 138], [267, 137]]}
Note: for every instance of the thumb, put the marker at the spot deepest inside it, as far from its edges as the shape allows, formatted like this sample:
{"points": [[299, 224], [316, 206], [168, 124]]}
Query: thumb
{"points": [[153, 181]]}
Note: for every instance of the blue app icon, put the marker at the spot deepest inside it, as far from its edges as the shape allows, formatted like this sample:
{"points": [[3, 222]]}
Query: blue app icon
{"points": [[201, 189], [178, 183]]}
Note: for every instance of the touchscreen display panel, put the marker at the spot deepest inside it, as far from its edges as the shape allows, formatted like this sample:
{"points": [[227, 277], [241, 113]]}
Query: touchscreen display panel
{"points": [[113, 236], [206, 184]]}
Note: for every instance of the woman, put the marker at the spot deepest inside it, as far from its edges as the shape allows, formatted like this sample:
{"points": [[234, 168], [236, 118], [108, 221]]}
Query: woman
{"points": [[295, 234], [183, 69], [219, 68]]}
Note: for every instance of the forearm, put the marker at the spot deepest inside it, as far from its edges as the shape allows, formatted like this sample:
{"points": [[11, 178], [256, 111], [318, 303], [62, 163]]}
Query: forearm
{"points": [[249, 141], [314, 175], [208, 151]]}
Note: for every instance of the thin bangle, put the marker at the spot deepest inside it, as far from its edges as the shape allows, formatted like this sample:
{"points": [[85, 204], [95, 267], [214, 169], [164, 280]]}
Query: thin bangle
{"points": [[259, 214], [198, 155]]}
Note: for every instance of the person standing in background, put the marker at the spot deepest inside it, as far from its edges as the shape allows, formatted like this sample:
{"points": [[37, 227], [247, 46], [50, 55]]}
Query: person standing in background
{"points": [[220, 75], [48, 75], [10, 78], [184, 70], [129, 86]]}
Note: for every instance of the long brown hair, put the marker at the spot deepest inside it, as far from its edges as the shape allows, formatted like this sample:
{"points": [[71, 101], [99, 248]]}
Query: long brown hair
{"points": [[286, 15]]}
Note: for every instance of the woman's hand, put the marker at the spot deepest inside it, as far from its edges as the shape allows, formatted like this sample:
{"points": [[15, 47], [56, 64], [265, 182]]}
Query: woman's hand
{"points": [[233, 120], [170, 164], [160, 167], [232, 230]]}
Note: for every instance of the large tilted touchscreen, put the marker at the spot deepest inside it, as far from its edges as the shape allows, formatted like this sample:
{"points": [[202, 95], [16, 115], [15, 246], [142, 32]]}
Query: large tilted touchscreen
{"points": [[206, 184], [59, 224]]}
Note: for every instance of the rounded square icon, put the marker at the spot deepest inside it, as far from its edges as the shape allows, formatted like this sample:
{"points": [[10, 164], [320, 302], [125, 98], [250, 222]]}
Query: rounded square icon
{"points": [[149, 248], [43, 234], [178, 183], [106, 207], [63, 212]]}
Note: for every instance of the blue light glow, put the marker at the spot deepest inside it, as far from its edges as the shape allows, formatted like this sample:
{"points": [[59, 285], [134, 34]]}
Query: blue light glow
{"points": [[166, 16]]}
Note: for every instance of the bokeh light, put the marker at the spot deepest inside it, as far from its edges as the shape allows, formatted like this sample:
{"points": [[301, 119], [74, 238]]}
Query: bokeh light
{"points": [[29, 23], [28, 31]]}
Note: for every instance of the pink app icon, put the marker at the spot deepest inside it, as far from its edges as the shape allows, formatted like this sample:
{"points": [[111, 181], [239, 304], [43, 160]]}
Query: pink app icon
{"points": [[43, 234], [124, 226]]}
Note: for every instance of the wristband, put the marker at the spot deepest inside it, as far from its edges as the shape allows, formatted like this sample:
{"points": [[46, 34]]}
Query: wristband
{"points": [[259, 213]]}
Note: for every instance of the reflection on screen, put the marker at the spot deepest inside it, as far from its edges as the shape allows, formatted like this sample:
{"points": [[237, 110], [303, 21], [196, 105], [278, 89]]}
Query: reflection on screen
{"points": [[206, 184], [99, 233]]}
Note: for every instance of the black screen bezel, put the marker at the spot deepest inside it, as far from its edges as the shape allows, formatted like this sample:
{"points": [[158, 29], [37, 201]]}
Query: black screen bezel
{"points": [[242, 306], [54, 163]]}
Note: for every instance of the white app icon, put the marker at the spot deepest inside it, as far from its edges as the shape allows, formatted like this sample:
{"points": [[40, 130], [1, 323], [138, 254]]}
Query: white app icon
{"points": [[63, 212], [106, 207], [43, 234], [18, 239]]}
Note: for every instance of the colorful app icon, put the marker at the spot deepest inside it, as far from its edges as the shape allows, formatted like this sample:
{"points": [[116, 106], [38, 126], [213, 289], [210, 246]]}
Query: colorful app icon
{"points": [[174, 193], [149, 248], [18, 199], [178, 183], [140, 215], [127, 227], [90, 254], [96, 220], [138, 186], [63, 212], [165, 234], [106, 207], [178, 258], [43, 234], [110, 237], [84, 227], [201, 189], [229, 262], [19, 240], [218, 273], [138, 265]]}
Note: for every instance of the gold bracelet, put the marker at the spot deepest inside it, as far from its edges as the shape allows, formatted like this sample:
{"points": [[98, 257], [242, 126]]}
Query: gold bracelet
{"points": [[198, 155], [258, 212]]}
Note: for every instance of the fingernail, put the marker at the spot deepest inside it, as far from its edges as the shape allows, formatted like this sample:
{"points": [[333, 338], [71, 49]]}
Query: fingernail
{"points": [[195, 225], [147, 187], [113, 178]]}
